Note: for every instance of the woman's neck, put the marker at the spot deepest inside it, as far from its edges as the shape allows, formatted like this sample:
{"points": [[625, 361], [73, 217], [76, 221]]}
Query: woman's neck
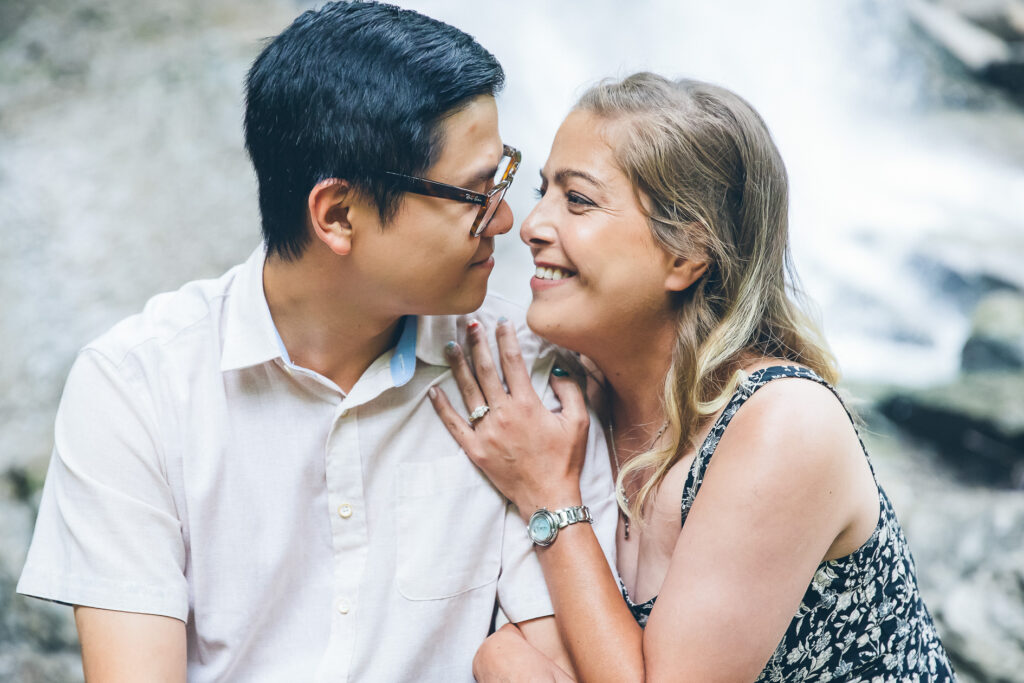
{"points": [[635, 375]]}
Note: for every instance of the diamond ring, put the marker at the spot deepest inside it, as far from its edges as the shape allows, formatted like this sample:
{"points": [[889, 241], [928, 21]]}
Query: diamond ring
{"points": [[478, 414]]}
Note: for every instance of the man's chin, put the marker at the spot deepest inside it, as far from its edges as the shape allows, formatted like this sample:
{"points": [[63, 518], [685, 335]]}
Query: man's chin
{"points": [[460, 305]]}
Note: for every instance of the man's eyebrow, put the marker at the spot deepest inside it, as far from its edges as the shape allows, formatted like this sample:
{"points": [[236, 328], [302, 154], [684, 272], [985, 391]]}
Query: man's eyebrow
{"points": [[483, 176], [564, 174]]}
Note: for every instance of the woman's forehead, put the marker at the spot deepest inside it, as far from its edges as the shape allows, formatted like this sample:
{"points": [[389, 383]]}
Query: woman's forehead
{"points": [[584, 148]]}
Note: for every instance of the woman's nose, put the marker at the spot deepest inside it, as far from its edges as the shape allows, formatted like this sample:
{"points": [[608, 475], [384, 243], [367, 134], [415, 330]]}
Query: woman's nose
{"points": [[537, 230]]}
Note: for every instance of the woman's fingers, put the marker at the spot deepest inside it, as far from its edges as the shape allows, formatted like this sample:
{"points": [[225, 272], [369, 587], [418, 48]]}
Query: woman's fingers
{"points": [[569, 394], [517, 377], [468, 387], [483, 363], [457, 426]]}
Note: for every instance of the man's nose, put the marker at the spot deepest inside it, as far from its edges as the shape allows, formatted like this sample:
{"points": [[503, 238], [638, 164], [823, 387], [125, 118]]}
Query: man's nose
{"points": [[501, 221]]}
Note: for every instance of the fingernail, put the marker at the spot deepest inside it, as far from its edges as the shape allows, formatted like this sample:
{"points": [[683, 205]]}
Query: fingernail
{"points": [[502, 320], [559, 372], [432, 392], [472, 325], [450, 347]]}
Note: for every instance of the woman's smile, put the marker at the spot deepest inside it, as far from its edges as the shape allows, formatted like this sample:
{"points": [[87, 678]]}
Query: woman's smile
{"points": [[547, 276]]}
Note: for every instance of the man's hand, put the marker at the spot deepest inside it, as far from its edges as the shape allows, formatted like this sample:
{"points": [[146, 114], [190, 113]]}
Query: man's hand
{"points": [[125, 646], [507, 657]]}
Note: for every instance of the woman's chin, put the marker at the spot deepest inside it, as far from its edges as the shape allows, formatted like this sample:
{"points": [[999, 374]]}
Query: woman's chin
{"points": [[552, 326]]}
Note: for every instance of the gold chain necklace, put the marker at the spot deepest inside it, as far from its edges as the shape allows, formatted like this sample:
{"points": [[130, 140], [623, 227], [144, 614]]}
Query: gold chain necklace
{"points": [[615, 457]]}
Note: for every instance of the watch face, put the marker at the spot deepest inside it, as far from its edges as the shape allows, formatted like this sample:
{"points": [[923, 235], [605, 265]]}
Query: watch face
{"points": [[542, 527]]}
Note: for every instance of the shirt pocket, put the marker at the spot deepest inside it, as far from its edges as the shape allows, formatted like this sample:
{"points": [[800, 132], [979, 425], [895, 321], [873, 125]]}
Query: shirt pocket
{"points": [[450, 524]]}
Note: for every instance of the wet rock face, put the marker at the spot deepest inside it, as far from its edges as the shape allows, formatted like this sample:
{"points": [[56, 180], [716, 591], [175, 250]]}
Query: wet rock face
{"points": [[38, 641], [976, 424], [983, 620]]}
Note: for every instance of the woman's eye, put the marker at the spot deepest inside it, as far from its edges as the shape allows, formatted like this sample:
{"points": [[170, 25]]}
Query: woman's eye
{"points": [[539, 192], [578, 199]]}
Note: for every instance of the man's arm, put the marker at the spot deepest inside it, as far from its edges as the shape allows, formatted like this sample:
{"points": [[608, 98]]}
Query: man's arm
{"points": [[127, 646], [108, 535]]}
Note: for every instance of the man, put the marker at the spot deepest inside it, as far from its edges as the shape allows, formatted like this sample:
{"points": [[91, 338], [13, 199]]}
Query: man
{"points": [[248, 482]]}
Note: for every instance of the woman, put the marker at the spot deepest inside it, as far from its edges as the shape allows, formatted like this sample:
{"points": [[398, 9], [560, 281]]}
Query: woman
{"points": [[660, 240]]}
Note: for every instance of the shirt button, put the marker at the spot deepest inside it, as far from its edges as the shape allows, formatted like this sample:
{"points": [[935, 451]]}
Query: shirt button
{"points": [[345, 412], [344, 606], [344, 510]]}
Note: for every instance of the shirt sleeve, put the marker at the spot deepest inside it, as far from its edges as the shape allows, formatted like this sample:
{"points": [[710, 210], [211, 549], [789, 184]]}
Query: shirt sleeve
{"points": [[108, 534], [522, 592]]}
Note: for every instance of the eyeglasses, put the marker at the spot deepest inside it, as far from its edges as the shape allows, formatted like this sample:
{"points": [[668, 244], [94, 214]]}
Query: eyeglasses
{"points": [[487, 201]]}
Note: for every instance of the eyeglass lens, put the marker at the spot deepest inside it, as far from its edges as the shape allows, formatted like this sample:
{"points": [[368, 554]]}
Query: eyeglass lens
{"points": [[488, 211], [494, 201]]}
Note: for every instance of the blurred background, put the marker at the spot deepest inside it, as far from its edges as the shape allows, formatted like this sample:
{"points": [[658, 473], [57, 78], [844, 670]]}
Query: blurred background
{"points": [[122, 174]]}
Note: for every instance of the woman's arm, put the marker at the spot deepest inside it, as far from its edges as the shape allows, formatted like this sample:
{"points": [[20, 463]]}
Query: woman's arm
{"points": [[535, 457], [787, 480], [776, 496]]}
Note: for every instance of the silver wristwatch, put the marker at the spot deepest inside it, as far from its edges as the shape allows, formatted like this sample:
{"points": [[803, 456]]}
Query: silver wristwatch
{"points": [[544, 524]]}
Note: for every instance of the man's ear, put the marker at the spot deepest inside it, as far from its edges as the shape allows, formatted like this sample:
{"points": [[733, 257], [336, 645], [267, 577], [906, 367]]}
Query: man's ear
{"points": [[683, 273], [328, 204]]}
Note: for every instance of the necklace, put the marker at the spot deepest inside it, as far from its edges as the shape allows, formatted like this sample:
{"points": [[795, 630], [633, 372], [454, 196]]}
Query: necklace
{"points": [[615, 457]]}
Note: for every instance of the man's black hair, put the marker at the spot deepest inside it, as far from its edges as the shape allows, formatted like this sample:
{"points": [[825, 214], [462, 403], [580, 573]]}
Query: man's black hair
{"points": [[350, 91]]}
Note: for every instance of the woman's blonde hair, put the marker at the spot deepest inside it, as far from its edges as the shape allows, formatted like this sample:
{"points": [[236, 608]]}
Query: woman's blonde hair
{"points": [[712, 182]]}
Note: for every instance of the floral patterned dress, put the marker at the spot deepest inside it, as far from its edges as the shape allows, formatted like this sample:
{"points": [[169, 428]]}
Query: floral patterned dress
{"points": [[862, 617]]}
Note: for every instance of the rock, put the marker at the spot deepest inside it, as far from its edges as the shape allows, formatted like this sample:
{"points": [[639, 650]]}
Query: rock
{"points": [[23, 664], [973, 45], [983, 35], [968, 546], [975, 422], [38, 640], [997, 334], [983, 619]]}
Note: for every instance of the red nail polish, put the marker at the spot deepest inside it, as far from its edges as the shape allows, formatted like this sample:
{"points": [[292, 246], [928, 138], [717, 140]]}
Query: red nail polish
{"points": [[472, 325]]}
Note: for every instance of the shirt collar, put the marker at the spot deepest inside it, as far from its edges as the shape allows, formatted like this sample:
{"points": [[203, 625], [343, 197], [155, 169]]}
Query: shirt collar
{"points": [[403, 360], [434, 332], [250, 337]]}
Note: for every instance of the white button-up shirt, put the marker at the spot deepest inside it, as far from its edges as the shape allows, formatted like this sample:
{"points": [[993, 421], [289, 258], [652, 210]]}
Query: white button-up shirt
{"points": [[301, 533]]}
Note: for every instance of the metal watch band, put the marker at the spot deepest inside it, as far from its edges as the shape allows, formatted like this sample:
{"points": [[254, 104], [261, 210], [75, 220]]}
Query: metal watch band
{"points": [[545, 524], [572, 515]]}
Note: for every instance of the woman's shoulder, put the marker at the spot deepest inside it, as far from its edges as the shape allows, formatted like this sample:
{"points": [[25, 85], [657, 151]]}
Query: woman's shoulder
{"points": [[793, 422]]}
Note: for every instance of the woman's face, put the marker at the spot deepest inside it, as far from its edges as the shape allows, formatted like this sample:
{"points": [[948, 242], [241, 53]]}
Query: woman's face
{"points": [[600, 277]]}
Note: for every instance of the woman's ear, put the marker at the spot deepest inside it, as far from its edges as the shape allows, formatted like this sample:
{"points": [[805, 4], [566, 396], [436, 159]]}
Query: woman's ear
{"points": [[683, 273], [328, 204]]}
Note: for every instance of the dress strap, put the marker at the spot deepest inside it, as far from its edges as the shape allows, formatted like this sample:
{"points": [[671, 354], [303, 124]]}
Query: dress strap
{"points": [[744, 391]]}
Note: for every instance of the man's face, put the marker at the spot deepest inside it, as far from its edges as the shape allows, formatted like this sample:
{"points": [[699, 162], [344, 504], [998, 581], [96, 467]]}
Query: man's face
{"points": [[425, 262]]}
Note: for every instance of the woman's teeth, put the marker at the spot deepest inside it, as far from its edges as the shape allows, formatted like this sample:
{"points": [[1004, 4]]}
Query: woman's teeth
{"points": [[543, 273]]}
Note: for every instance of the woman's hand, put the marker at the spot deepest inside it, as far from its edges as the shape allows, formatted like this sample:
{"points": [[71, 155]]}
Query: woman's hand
{"points": [[507, 656], [533, 455]]}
